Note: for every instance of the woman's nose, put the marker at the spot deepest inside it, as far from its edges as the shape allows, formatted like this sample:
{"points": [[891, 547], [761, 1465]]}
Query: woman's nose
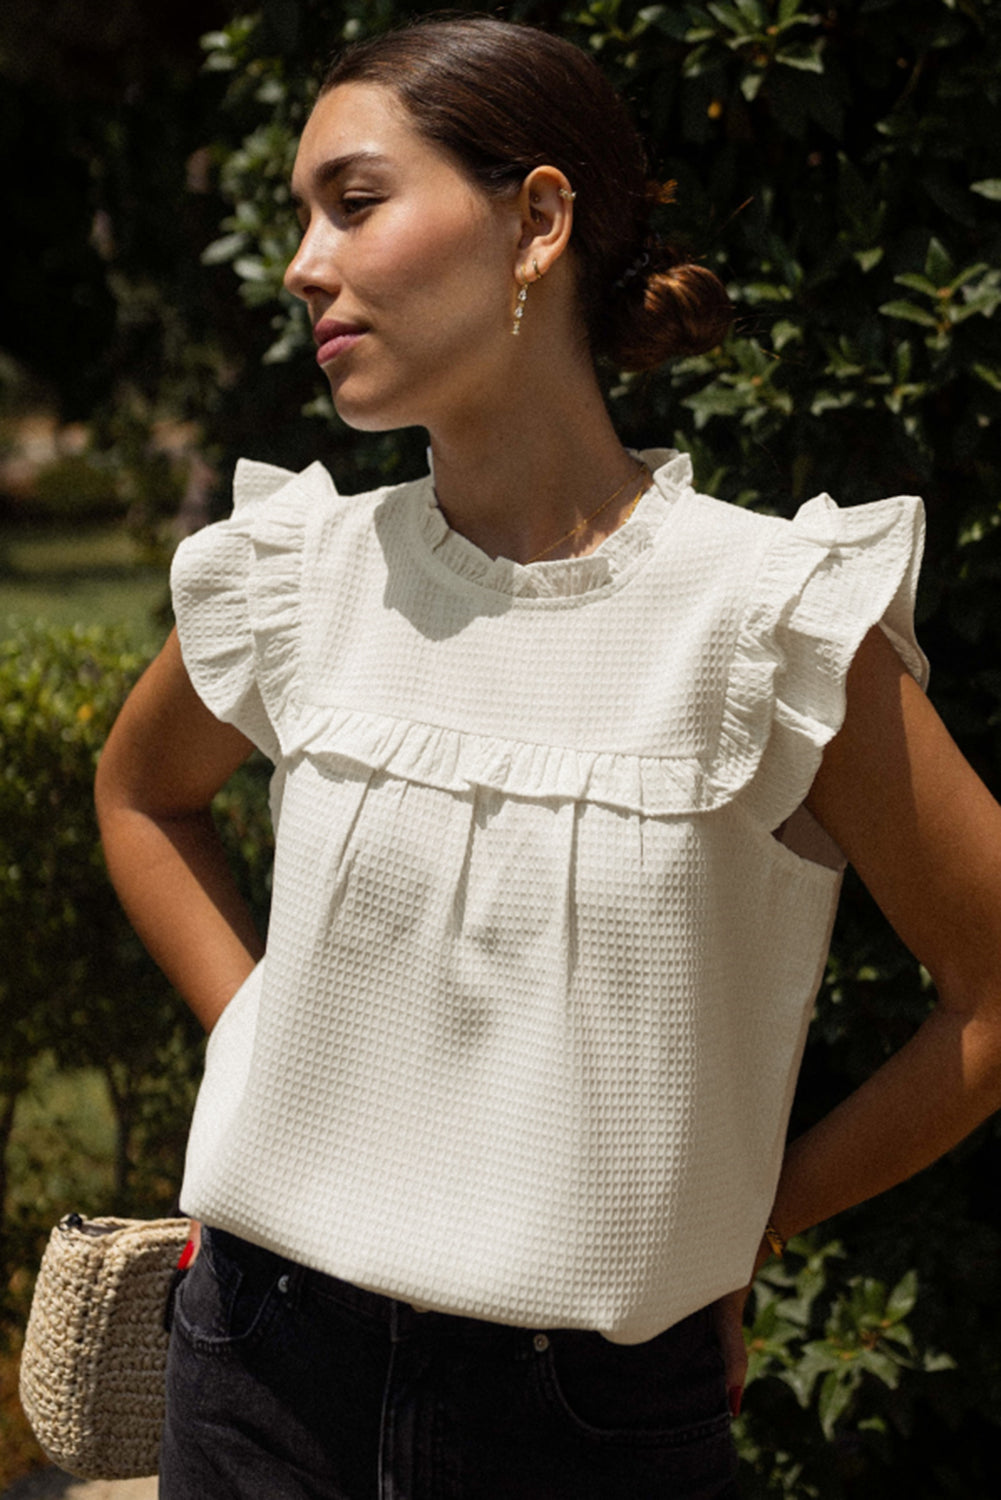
{"points": [[312, 267]]}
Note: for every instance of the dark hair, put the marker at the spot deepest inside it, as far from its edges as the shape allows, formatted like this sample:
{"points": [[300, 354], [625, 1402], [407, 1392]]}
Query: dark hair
{"points": [[504, 98]]}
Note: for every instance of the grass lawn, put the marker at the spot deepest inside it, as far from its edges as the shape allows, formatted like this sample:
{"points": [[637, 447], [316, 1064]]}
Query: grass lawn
{"points": [[79, 575]]}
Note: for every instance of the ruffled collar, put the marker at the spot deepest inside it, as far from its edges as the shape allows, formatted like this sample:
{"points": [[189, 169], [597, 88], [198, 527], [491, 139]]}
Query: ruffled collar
{"points": [[619, 554]]}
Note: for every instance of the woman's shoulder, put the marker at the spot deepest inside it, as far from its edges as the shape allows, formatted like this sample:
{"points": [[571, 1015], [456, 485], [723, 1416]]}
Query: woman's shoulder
{"points": [[279, 511], [819, 518], [260, 488], [769, 559], [697, 514]]}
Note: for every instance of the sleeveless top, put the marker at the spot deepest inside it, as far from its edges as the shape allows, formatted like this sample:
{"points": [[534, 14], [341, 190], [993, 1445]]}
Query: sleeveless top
{"points": [[548, 916]]}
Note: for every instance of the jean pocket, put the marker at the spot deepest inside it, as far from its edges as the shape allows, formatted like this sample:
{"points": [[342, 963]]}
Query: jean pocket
{"points": [[670, 1390], [231, 1294]]}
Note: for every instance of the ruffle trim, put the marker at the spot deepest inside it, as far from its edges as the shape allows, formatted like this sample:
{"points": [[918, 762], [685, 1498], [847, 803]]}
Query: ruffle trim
{"points": [[212, 584], [278, 535], [826, 578], [457, 761], [833, 576], [565, 577]]}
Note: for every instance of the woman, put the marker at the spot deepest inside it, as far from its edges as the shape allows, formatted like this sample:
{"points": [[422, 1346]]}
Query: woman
{"points": [[569, 759]]}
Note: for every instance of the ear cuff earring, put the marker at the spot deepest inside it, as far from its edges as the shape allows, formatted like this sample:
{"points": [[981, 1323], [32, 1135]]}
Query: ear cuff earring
{"points": [[519, 306]]}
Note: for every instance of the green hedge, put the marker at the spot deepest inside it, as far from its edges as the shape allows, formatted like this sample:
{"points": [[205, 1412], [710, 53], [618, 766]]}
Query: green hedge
{"points": [[76, 984]]}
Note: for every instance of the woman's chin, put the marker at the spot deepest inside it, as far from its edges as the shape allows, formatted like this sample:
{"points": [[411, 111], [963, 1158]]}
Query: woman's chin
{"points": [[370, 415]]}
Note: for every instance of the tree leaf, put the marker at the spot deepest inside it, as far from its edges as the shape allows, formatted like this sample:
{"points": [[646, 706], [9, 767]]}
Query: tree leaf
{"points": [[251, 268], [728, 16], [832, 401], [968, 273], [789, 14], [989, 374], [985, 303], [938, 263], [835, 1398], [903, 1297], [917, 283], [806, 58], [224, 249], [909, 311], [988, 187], [880, 1365], [696, 61], [785, 332]]}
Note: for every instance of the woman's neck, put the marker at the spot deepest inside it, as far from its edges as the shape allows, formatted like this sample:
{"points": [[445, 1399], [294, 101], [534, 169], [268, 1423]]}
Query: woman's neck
{"points": [[518, 481]]}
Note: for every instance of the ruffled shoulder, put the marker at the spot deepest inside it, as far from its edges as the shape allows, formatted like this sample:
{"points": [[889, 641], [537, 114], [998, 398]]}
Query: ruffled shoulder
{"points": [[773, 612], [828, 578], [236, 640], [786, 605]]}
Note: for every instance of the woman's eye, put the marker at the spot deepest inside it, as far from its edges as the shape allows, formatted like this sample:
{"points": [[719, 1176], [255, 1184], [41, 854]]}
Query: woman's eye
{"points": [[356, 203]]}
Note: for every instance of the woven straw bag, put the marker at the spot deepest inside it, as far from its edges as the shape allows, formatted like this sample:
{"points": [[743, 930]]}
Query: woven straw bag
{"points": [[95, 1350]]}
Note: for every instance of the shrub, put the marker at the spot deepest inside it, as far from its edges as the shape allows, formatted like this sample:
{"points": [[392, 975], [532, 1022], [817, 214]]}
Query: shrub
{"points": [[77, 984]]}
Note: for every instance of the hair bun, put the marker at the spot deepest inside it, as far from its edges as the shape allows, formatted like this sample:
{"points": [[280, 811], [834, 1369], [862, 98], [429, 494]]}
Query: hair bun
{"points": [[670, 308]]}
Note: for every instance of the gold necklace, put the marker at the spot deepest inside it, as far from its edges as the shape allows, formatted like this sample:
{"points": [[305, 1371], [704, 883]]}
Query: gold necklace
{"points": [[575, 530]]}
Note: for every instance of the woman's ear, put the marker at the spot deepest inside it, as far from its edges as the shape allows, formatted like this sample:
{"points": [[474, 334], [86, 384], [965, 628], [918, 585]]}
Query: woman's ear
{"points": [[545, 202]]}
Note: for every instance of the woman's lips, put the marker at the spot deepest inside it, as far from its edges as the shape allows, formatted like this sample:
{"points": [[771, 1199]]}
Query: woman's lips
{"points": [[334, 338]]}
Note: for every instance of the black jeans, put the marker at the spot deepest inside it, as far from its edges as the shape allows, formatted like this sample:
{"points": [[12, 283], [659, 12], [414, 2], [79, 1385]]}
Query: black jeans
{"points": [[285, 1384]]}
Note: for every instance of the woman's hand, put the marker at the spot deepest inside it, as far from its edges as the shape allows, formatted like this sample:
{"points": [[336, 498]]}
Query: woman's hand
{"points": [[194, 1240], [729, 1315]]}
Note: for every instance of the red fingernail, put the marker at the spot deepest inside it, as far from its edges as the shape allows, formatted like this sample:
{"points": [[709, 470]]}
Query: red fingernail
{"points": [[735, 1395], [186, 1256]]}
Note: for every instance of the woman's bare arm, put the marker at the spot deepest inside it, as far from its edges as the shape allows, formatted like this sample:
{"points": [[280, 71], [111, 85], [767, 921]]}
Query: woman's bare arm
{"points": [[165, 759], [924, 834]]}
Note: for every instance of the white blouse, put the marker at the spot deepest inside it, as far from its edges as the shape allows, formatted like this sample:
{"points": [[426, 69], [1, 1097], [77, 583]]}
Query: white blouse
{"points": [[548, 917]]}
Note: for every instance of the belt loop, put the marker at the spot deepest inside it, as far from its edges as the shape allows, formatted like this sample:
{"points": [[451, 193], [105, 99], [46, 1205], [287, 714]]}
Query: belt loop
{"points": [[401, 1320]]}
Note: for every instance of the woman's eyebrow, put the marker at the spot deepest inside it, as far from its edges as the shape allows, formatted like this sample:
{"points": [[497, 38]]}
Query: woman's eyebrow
{"points": [[327, 171]]}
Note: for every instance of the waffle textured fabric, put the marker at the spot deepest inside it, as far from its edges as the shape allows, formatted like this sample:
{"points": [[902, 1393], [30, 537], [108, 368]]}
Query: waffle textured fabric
{"points": [[539, 973]]}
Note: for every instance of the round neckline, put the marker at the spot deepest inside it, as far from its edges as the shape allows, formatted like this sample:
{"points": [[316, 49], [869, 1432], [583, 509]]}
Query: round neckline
{"points": [[615, 559]]}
